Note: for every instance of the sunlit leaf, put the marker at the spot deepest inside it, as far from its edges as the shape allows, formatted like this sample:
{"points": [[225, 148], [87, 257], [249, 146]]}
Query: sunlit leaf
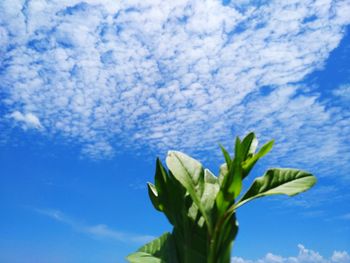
{"points": [[160, 250], [279, 181], [190, 173]]}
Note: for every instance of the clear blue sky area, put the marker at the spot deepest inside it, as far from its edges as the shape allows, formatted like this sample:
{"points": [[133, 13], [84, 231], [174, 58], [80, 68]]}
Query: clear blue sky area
{"points": [[92, 92]]}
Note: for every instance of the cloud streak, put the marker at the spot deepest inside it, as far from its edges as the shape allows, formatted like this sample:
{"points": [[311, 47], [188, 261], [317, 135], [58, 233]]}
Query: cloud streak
{"points": [[98, 231], [186, 74]]}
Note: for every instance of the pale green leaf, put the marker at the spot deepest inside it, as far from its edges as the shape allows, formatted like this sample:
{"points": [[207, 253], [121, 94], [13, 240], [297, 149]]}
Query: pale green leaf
{"points": [[278, 181], [160, 250], [143, 257], [190, 173], [211, 189], [222, 173]]}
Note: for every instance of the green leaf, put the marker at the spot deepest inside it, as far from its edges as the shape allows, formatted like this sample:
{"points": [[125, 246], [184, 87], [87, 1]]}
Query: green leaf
{"points": [[142, 257], [278, 181], [189, 230], [161, 177], [230, 180], [236, 186], [221, 203], [173, 201], [190, 173], [234, 176], [248, 164], [160, 250], [211, 189], [191, 243], [238, 148], [167, 195], [265, 149], [222, 173], [249, 145], [153, 195], [226, 155]]}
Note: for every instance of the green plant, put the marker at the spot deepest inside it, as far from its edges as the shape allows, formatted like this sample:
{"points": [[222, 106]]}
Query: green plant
{"points": [[201, 207]]}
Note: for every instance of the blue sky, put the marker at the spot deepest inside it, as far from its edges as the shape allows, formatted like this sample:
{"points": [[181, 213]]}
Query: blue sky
{"points": [[91, 92]]}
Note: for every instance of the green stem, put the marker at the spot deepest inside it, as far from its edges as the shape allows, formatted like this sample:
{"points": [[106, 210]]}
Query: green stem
{"points": [[213, 242]]}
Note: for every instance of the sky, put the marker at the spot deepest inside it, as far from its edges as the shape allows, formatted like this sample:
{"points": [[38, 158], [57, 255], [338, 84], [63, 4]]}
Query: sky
{"points": [[91, 92]]}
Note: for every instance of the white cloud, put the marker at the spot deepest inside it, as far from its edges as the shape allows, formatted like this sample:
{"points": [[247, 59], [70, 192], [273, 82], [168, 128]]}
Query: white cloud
{"points": [[105, 231], [343, 92], [99, 230], [98, 150], [304, 256], [340, 256], [3, 40], [28, 120], [346, 216], [183, 74]]}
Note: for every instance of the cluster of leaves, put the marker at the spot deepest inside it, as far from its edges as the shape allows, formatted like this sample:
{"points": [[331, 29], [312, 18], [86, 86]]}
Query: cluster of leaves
{"points": [[201, 207]]}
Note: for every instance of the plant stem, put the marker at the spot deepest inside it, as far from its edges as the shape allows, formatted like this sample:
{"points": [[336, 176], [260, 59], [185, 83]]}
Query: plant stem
{"points": [[214, 239]]}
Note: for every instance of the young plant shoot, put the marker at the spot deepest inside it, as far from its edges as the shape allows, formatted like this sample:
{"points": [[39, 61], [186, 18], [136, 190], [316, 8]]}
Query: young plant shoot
{"points": [[202, 207]]}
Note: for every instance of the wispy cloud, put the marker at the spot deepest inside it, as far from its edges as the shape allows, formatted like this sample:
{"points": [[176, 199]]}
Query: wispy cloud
{"points": [[345, 217], [343, 92], [316, 202], [177, 74], [315, 198], [99, 230], [27, 120], [304, 256]]}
